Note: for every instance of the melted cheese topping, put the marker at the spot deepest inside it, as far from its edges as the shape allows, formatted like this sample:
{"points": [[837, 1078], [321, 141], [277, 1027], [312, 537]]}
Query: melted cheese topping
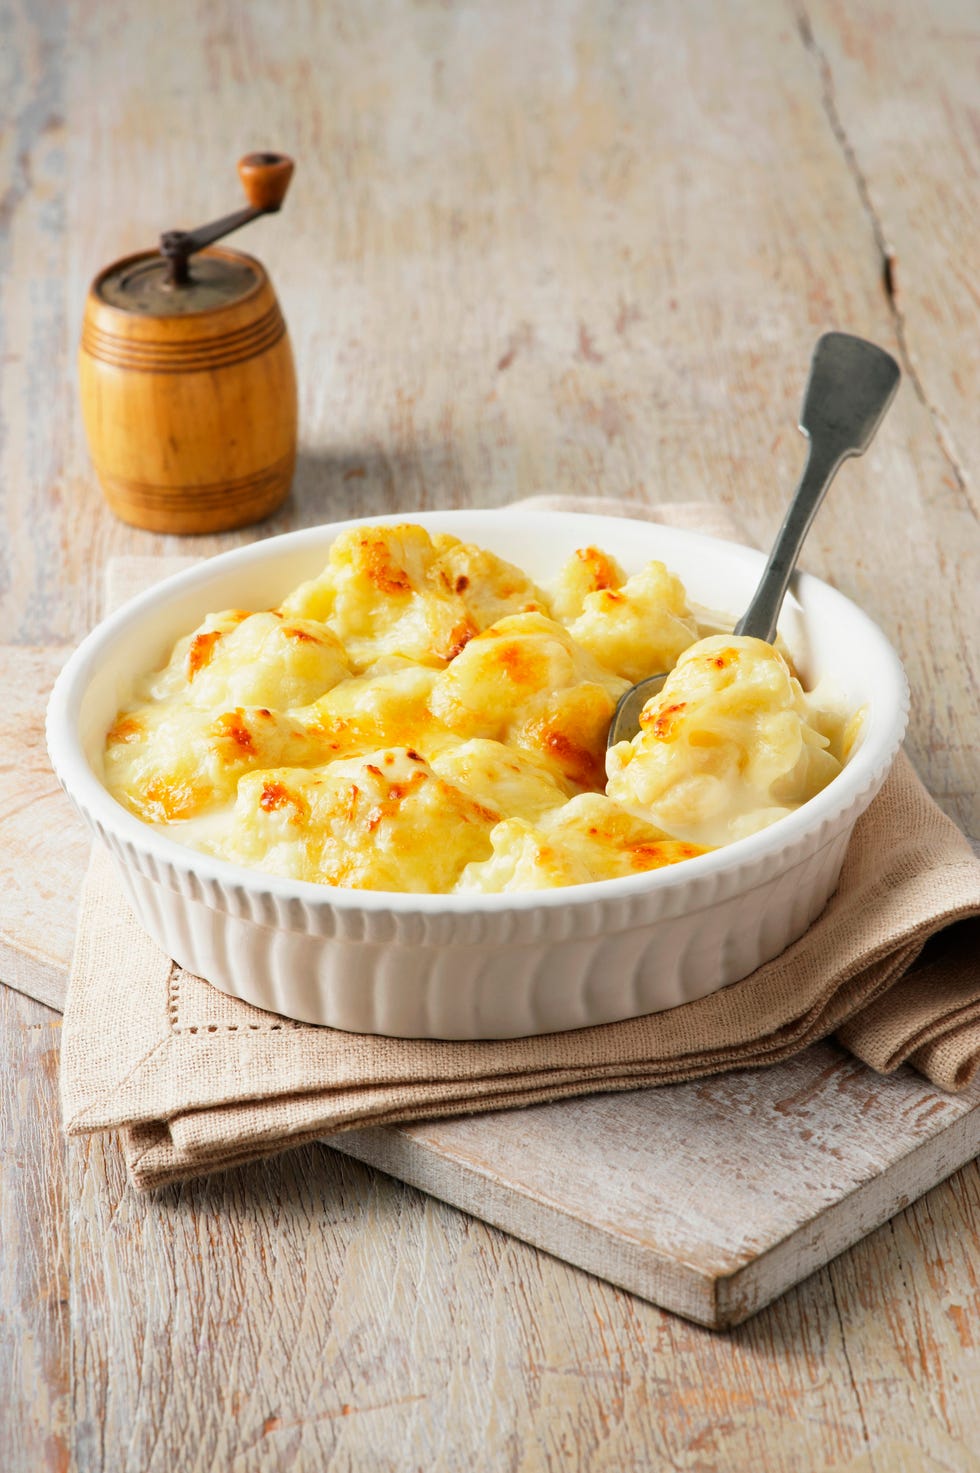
{"points": [[520, 784], [238, 659], [637, 627], [726, 748], [588, 838], [385, 821], [421, 717], [397, 591], [526, 682], [170, 761]]}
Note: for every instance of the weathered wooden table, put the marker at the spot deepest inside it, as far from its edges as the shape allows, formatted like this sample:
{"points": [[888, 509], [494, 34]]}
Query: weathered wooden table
{"points": [[575, 246]]}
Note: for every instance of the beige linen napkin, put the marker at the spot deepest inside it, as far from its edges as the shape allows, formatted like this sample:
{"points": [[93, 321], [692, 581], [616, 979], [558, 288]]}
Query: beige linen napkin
{"points": [[197, 1081]]}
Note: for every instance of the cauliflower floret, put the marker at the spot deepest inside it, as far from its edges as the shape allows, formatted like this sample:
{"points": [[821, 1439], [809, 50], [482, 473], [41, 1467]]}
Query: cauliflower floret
{"points": [[640, 628], [388, 708], [489, 587], [726, 748], [169, 762], [384, 821], [519, 784], [182, 666], [215, 712], [526, 682], [396, 591], [588, 570], [589, 838], [239, 659]]}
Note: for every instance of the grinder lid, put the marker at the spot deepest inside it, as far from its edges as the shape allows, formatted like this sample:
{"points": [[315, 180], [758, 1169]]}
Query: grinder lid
{"points": [[143, 284], [183, 277]]}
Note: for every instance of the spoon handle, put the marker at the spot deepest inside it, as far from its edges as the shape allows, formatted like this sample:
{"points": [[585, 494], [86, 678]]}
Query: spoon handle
{"points": [[851, 385], [760, 618]]}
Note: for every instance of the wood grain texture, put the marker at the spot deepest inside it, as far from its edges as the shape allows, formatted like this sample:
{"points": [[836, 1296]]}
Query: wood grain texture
{"points": [[709, 1198], [900, 90], [44, 845], [34, 1328], [575, 246], [396, 1333]]}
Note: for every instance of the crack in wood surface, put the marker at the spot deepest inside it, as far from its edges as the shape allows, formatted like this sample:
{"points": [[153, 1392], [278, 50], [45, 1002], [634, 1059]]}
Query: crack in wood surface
{"points": [[845, 1351], [889, 259]]}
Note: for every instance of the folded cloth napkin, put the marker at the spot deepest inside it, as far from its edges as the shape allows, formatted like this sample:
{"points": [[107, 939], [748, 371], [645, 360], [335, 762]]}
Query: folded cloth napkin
{"points": [[197, 1081]]}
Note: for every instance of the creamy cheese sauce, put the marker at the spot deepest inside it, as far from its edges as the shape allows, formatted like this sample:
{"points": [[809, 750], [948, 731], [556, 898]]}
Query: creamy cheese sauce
{"points": [[422, 717]]}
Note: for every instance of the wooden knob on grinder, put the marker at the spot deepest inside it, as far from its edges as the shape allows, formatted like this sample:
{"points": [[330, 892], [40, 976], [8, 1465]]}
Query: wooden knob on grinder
{"points": [[265, 178]]}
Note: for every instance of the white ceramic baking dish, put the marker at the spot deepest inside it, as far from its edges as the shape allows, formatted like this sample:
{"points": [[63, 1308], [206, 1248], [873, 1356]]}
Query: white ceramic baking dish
{"points": [[483, 966]]}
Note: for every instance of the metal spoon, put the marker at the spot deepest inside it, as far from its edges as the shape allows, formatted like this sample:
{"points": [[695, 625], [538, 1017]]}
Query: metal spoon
{"points": [[851, 385]]}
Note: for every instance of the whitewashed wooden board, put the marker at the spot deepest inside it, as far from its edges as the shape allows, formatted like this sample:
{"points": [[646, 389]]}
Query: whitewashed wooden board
{"points": [[709, 1198]]}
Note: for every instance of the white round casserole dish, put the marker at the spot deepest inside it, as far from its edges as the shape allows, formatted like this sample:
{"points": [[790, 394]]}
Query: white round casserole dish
{"points": [[482, 966]]}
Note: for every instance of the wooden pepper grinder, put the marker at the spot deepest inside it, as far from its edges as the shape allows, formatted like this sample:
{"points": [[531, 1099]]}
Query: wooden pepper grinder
{"points": [[187, 380]]}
